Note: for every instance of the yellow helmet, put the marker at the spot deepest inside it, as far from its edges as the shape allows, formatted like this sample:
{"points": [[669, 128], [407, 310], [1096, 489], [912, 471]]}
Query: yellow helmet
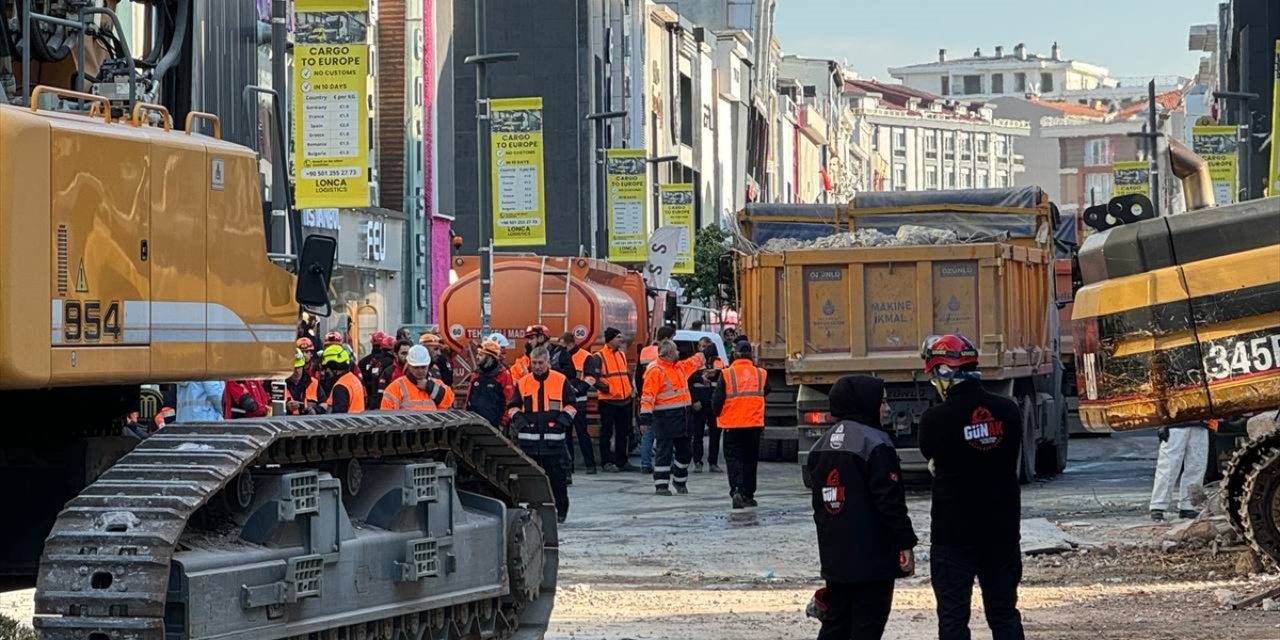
{"points": [[335, 354], [298, 360]]}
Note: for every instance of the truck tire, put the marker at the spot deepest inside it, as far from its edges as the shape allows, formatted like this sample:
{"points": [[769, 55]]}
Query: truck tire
{"points": [[1027, 453], [804, 477], [1051, 457]]}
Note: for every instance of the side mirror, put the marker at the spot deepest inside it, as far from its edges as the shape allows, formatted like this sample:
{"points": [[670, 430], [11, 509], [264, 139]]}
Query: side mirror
{"points": [[315, 269]]}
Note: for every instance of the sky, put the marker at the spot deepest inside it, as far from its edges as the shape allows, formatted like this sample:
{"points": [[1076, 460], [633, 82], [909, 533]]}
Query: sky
{"points": [[873, 35]]}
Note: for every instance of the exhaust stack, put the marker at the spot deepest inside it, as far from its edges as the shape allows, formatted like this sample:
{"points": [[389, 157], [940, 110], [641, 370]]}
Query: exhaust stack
{"points": [[1193, 171]]}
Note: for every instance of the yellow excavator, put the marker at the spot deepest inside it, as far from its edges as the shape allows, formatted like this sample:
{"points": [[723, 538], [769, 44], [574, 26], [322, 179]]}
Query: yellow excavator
{"points": [[1178, 320], [144, 246]]}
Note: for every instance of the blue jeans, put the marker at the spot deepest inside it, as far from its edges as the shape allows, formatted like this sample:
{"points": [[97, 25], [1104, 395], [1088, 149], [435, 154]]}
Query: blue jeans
{"points": [[646, 449]]}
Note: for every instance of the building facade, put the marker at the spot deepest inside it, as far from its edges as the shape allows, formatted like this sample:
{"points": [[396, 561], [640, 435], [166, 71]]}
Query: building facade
{"points": [[1004, 72]]}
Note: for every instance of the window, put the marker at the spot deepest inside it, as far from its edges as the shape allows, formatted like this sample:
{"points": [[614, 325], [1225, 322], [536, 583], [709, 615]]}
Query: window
{"points": [[1097, 152], [1046, 83], [972, 85], [966, 179], [983, 146], [950, 144], [899, 177], [931, 177], [983, 180], [686, 110], [966, 146], [1020, 82], [930, 144], [1001, 146], [875, 137], [951, 179], [946, 85], [1097, 187], [900, 143], [1002, 179], [997, 83]]}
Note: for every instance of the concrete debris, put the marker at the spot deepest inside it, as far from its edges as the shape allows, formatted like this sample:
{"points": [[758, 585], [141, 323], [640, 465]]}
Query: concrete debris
{"points": [[907, 235], [1039, 536], [1270, 605], [1168, 546], [1226, 597]]}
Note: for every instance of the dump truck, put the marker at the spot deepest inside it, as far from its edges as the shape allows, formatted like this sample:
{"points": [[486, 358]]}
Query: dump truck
{"points": [[135, 251], [1178, 320], [834, 290]]}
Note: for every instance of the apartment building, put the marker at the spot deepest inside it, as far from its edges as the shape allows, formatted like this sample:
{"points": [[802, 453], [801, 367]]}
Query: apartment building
{"points": [[1001, 73], [929, 142]]}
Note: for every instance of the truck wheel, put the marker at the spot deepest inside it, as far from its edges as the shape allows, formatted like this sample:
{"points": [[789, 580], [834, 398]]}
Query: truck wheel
{"points": [[804, 477], [1051, 457], [1027, 453], [789, 450]]}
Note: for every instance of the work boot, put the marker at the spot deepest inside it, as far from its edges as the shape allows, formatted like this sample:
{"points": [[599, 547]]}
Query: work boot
{"points": [[751, 502], [738, 501], [697, 467], [1157, 516], [591, 471], [662, 491], [682, 490], [610, 468], [561, 517], [1188, 514], [648, 471], [715, 468]]}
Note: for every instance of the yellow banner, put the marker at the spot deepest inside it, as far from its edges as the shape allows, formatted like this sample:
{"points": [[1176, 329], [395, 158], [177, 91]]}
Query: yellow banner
{"points": [[304, 6], [1218, 146], [519, 194], [1273, 182], [677, 210], [625, 182], [331, 146], [1131, 177]]}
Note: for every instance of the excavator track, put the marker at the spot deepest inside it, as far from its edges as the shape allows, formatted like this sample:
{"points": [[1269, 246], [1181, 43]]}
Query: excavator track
{"points": [[379, 525], [1252, 489]]}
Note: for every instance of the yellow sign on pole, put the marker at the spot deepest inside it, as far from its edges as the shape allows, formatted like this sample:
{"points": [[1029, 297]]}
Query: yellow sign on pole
{"points": [[1131, 177], [519, 195], [677, 211], [330, 5], [331, 114], [626, 170], [1273, 181], [1218, 146]]}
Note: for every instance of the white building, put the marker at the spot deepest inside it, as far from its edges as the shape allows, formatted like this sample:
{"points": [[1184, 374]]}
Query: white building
{"points": [[1017, 73], [929, 142]]}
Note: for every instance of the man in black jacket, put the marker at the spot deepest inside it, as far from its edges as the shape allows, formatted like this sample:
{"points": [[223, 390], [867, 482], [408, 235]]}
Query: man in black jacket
{"points": [[865, 539], [972, 441]]}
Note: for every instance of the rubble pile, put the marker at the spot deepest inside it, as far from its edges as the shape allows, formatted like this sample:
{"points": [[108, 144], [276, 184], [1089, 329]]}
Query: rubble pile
{"points": [[907, 235]]}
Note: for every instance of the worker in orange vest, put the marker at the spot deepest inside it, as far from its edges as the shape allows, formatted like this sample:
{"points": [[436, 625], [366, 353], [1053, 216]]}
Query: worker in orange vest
{"points": [[614, 396], [302, 393], [541, 414], [702, 385], [416, 390], [586, 370], [738, 402], [648, 356], [665, 409], [346, 394]]}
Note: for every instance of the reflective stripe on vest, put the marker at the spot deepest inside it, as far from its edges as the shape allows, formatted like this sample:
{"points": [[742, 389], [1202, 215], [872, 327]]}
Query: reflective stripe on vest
{"points": [[552, 394], [744, 397], [525, 435], [613, 369], [674, 395], [408, 397]]}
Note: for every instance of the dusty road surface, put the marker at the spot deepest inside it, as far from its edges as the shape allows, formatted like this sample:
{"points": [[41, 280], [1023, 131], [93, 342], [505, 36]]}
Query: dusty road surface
{"points": [[634, 565]]}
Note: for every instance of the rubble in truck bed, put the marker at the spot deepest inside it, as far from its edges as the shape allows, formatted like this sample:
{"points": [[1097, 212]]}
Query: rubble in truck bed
{"points": [[907, 235]]}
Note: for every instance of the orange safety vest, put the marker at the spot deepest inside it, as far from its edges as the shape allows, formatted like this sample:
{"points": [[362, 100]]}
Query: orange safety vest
{"points": [[354, 389], [648, 354], [542, 403], [402, 396], [743, 396], [312, 393], [520, 368], [613, 370], [666, 384]]}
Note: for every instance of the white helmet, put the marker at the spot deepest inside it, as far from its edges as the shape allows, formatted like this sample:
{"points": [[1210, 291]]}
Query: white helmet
{"points": [[419, 356], [500, 339]]}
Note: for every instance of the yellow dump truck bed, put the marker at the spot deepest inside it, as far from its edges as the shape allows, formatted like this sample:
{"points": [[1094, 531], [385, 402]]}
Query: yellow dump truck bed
{"points": [[868, 309]]}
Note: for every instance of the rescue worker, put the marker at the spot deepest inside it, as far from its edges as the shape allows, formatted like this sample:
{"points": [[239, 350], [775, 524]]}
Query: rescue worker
{"points": [[371, 367], [738, 404], [441, 368], [302, 395], [665, 406], [490, 387], [541, 414], [535, 336], [416, 390], [308, 349], [246, 399], [648, 356], [397, 367], [1182, 460], [972, 441], [345, 393], [586, 370], [865, 538], [614, 396], [702, 385]]}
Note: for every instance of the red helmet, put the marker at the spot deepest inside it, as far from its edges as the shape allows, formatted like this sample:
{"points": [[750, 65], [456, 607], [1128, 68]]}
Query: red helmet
{"points": [[378, 338], [537, 330], [333, 337], [388, 342], [304, 343], [953, 350]]}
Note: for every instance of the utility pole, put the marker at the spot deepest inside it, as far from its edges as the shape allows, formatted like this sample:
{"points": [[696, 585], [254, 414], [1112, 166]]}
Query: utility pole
{"points": [[482, 60], [1151, 135]]}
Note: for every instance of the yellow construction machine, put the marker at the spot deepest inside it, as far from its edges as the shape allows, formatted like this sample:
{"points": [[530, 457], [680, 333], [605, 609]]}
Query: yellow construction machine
{"points": [[1178, 320], [145, 247]]}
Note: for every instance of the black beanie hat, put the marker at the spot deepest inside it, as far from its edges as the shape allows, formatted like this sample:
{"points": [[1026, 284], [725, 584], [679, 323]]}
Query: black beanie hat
{"points": [[610, 334], [857, 398]]}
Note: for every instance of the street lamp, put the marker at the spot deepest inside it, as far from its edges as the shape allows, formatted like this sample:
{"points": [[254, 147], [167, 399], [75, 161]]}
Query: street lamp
{"points": [[602, 152], [657, 204], [482, 60]]}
